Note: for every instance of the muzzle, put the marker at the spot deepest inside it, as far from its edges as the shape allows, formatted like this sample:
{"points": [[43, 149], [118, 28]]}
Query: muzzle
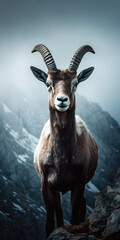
{"points": [[62, 103]]}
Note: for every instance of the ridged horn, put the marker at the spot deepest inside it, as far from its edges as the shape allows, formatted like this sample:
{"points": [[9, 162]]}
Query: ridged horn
{"points": [[47, 56], [78, 57]]}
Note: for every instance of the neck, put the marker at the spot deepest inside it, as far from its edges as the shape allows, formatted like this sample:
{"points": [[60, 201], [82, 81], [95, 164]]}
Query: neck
{"points": [[63, 127]]}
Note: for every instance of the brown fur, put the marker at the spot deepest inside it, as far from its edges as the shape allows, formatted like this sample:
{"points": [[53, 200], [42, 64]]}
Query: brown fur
{"points": [[62, 75], [83, 228], [65, 159]]}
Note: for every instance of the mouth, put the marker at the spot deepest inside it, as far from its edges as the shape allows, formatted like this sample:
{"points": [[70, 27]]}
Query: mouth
{"points": [[62, 107]]}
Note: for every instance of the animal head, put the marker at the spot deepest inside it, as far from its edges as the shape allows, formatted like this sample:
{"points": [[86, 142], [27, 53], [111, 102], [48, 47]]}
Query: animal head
{"points": [[62, 84]]}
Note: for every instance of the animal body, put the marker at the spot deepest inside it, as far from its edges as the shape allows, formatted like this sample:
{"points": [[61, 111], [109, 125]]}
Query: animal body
{"points": [[66, 155]]}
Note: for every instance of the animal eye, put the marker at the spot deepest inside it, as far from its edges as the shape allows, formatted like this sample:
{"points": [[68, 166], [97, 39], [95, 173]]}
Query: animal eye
{"points": [[74, 87], [49, 87]]}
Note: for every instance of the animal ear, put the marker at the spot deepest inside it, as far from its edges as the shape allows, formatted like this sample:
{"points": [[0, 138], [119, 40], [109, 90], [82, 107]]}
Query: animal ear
{"points": [[39, 74], [85, 74]]}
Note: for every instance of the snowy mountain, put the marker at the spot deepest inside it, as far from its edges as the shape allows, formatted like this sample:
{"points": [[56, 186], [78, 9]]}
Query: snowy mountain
{"points": [[21, 207], [22, 117]]}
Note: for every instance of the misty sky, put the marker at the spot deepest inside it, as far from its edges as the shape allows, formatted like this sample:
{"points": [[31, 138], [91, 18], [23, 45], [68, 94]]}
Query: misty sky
{"points": [[63, 26]]}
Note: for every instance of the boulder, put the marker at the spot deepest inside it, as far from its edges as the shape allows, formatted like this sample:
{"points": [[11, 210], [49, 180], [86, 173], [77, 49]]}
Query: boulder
{"points": [[62, 234], [103, 222], [105, 219]]}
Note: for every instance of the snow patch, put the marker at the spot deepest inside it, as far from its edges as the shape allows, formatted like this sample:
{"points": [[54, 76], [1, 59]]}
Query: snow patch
{"points": [[29, 140], [14, 133], [89, 208], [18, 207], [92, 188], [25, 140], [7, 126], [22, 158], [14, 194], [5, 178], [42, 208], [5, 215], [31, 205], [6, 109], [38, 209], [2, 213]]}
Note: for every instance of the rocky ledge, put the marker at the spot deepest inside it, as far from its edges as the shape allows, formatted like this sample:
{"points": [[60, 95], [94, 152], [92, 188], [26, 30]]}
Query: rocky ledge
{"points": [[103, 222]]}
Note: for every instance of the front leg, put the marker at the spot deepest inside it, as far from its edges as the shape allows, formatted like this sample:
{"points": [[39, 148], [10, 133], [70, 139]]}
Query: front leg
{"points": [[53, 204], [47, 196], [78, 205], [58, 210]]}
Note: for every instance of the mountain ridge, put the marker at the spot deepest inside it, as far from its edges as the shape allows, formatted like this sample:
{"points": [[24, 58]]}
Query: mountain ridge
{"points": [[21, 121]]}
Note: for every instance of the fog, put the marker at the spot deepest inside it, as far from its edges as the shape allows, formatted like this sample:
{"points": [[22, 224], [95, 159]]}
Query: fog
{"points": [[63, 27]]}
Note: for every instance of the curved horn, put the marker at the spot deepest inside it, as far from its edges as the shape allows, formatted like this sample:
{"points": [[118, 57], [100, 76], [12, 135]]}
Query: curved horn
{"points": [[78, 57], [47, 56]]}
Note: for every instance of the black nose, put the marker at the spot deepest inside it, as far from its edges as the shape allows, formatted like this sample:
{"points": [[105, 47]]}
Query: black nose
{"points": [[62, 98]]}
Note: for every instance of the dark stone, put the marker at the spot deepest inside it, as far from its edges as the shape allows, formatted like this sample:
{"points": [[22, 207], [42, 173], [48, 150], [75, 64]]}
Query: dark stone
{"points": [[105, 219], [62, 234]]}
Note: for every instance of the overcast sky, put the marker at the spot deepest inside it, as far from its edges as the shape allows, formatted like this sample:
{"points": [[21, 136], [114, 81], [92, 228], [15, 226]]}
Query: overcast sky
{"points": [[63, 26]]}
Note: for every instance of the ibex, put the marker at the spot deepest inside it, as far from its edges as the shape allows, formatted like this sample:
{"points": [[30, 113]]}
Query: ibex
{"points": [[66, 155]]}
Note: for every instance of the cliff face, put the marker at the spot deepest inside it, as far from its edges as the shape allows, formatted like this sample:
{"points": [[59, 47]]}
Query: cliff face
{"points": [[22, 211], [105, 219], [21, 121], [20, 216], [103, 222]]}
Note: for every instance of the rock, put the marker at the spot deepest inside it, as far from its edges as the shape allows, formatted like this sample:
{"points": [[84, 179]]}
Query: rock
{"points": [[103, 222], [105, 219], [62, 234]]}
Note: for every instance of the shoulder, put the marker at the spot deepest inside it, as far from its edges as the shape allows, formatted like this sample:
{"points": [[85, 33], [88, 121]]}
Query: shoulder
{"points": [[42, 146], [80, 125], [45, 134], [46, 130]]}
